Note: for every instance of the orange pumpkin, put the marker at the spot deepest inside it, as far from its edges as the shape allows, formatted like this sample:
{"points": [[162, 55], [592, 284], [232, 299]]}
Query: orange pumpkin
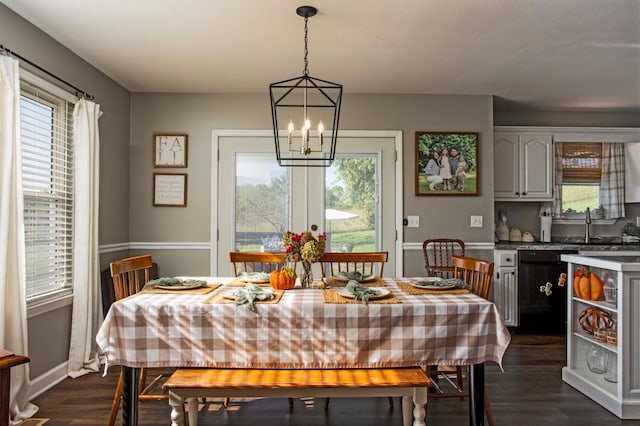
{"points": [[285, 279], [587, 285]]}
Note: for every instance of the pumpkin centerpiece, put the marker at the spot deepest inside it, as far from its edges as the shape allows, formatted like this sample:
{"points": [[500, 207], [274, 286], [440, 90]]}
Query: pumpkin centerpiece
{"points": [[284, 279], [587, 285]]}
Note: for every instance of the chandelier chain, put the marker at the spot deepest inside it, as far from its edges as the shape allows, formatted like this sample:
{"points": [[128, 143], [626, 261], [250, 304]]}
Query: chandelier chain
{"points": [[306, 49]]}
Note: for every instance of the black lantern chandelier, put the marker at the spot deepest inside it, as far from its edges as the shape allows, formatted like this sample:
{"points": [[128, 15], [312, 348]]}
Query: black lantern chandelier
{"points": [[311, 108]]}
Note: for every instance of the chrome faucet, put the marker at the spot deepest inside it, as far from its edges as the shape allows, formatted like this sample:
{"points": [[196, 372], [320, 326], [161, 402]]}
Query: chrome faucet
{"points": [[586, 225]]}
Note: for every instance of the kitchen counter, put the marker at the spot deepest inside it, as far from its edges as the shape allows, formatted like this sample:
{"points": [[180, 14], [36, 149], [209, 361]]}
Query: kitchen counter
{"points": [[610, 261], [570, 244]]}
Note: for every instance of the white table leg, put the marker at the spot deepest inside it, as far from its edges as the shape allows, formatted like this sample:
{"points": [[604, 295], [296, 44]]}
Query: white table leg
{"points": [[407, 410], [192, 409], [419, 399], [177, 409]]}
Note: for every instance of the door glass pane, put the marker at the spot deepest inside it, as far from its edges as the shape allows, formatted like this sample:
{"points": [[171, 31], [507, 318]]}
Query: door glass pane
{"points": [[351, 217], [261, 203]]}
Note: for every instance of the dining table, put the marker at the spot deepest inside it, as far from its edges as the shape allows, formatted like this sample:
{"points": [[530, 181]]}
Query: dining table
{"points": [[309, 328]]}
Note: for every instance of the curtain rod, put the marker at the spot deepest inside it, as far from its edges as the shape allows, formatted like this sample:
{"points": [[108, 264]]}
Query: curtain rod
{"points": [[79, 92]]}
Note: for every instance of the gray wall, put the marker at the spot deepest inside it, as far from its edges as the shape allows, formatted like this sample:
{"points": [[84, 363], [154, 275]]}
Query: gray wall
{"points": [[198, 114], [52, 328]]}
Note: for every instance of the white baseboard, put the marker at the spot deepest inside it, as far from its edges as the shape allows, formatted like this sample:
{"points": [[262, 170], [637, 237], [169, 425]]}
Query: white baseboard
{"points": [[46, 381]]}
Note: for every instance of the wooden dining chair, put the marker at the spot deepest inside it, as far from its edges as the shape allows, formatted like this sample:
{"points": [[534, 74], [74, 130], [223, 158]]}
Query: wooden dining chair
{"points": [[256, 261], [367, 263], [477, 274], [129, 276], [437, 256]]}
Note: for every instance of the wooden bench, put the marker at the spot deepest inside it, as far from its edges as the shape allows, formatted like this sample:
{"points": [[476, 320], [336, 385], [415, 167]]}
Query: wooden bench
{"points": [[191, 383]]}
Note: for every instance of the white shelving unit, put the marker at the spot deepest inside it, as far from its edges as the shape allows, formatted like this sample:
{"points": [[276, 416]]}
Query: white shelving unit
{"points": [[623, 397]]}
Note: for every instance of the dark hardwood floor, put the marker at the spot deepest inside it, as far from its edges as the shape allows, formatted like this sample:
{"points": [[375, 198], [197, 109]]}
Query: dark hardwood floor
{"points": [[529, 392]]}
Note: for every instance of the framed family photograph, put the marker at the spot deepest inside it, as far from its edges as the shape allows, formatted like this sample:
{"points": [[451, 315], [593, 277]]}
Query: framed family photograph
{"points": [[446, 163], [170, 150]]}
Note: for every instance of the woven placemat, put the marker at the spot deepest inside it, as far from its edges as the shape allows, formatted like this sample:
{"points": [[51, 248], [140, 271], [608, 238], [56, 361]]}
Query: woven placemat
{"points": [[409, 289], [239, 283], [201, 290], [332, 296], [332, 282], [218, 298]]}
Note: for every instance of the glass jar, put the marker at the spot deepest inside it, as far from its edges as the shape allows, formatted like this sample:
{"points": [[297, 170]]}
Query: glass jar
{"points": [[595, 359], [610, 291], [611, 367]]}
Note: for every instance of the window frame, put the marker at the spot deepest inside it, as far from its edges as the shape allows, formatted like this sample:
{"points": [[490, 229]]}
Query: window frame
{"points": [[54, 299], [584, 174]]}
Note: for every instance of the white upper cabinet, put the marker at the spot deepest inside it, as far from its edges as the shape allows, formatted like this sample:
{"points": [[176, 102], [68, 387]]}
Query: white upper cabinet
{"points": [[523, 166], [632, 173]]}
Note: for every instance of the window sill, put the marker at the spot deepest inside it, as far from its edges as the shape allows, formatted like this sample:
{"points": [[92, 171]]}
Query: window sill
{"points": [[50, 302], [580, 221]]}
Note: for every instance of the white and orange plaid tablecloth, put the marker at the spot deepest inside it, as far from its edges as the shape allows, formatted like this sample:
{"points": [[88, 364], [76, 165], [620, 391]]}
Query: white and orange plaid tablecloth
{"points": [[301, 331]]}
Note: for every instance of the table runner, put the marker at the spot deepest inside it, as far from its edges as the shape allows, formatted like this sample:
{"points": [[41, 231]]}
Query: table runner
{"points": [[161, 330]]}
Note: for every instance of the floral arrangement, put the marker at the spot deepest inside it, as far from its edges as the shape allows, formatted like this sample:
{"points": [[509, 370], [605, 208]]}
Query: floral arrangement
{"points": [[304, 246]]}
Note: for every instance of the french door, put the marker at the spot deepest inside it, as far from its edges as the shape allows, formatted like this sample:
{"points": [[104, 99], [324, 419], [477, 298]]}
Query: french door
{"points": [[353, 201]]}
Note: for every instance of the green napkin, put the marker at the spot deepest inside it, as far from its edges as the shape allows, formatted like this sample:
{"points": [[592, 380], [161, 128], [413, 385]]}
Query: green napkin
{"points": [[445, 282], [173, 282], [250, 293], [361, 292]]}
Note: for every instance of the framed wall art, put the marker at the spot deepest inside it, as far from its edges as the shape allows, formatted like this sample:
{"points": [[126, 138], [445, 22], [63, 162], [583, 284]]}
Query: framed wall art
{"points": [[446, 163], [170, 190], [170, 150]]}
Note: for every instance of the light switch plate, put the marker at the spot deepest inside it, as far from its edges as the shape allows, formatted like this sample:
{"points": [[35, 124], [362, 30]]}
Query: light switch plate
{"points": [[476, 221], [413, 221]]}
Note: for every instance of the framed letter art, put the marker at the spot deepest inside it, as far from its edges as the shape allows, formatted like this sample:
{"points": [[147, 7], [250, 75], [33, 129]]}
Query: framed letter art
{"points": [[170, 190], [170, 150], [446, 163]]}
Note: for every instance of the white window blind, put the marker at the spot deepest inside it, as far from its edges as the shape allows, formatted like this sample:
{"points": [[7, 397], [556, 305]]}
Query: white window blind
{"points": [[47, 173]]}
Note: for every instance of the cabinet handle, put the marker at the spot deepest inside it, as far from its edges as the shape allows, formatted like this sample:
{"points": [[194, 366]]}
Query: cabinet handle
{"points": [[524, 193], [498, 275], [517, 193], [508, 259]]}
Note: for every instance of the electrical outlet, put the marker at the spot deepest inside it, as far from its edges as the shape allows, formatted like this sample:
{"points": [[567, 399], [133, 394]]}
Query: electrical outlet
{"points": [[413, 221], [476, 221]]}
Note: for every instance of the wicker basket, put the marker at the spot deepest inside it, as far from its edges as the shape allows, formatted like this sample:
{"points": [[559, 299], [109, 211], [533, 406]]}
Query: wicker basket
{"points": [[594, 319]]}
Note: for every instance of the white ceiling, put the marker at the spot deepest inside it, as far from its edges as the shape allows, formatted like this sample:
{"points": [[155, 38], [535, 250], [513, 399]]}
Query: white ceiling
{"points": [[543, 54]]}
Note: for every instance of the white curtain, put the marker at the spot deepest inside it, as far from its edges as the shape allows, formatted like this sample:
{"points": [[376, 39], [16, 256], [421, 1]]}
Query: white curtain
{"points": [[13, 307], [83, 352], [612, 180]]}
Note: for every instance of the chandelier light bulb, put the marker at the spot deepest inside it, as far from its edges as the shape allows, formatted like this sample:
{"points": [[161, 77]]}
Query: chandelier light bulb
{"points": [[290, 128], [320, 132]]}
